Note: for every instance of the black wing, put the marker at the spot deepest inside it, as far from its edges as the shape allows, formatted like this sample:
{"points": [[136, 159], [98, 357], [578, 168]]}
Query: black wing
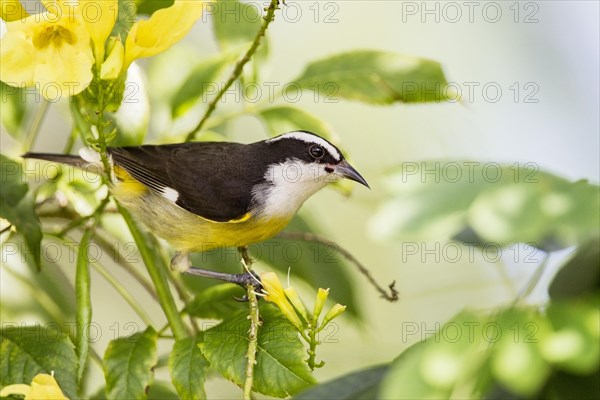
{"points": [[212, 179]]}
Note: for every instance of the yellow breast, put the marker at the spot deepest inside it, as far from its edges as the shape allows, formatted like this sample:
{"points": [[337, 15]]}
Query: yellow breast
{"points": [[186, 231]]}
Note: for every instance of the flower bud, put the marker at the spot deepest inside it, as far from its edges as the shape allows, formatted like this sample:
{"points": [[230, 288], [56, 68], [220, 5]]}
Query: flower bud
{"points": [[111, 67], [293, 297], [335, 311], [275, 294], [320, 302]]}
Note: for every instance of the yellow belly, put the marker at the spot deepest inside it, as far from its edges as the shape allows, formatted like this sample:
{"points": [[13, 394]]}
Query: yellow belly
{"points": [[186, 231]]}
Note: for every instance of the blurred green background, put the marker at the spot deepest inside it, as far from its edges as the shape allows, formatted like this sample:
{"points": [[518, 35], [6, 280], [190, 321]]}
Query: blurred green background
{"points": [[546, 67]]}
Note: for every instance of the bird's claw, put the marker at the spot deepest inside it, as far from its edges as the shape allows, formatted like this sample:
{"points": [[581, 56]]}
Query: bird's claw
{"points": [[245, 280]]}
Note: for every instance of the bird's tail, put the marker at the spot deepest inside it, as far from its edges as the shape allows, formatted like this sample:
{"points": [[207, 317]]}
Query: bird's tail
{"points": [[90, 162], [67, 159]]}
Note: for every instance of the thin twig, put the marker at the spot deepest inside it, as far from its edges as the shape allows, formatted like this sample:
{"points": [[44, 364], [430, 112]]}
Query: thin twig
{"points": [[239, 66], [390, 296]]}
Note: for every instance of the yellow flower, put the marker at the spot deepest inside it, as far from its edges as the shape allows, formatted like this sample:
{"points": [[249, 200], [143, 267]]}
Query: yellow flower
{"points": [[335, 312], [111, 68], [293, 297], [320, 302], [275, 294], [43, 387], [12, 10], [50, 49], [99, 17], [159, 32]]}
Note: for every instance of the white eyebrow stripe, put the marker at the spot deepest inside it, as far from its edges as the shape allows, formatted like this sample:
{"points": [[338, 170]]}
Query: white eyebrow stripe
{"points": [[309, 138]]}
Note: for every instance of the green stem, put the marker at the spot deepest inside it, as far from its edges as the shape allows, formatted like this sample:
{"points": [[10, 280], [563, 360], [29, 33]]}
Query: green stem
{"points": [[158, 276], [313, 342], [239, 67], [83, 299], [100, 125], [252, 342], [111, 249], [34, 129], [46, 302], [177, 283], [124, 292], [114, 282]]}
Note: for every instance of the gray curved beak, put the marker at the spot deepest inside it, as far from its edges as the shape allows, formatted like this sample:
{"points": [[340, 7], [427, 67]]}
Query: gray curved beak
{"points": [[346, 170]]}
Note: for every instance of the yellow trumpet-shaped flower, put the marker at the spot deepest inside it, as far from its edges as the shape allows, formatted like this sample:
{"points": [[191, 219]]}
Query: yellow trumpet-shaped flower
{"points": [[99, 17], [164, 27], [43, 387], [111, 67], [334, 312], [50, 49], [12, 10], [275, 294]]}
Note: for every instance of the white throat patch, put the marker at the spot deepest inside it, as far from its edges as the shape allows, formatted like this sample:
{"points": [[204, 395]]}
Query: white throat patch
{"points": [[289, 185], [310, 138]]}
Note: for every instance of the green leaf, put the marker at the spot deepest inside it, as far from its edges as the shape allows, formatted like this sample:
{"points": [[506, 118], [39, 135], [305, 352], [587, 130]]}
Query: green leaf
{"points": [[162, 391], [550, 214], [19, 208], [574, 345], [316, 264], [147, 7], [440, 365], [129, 363], [376, 77], [216, 302], [497, 203], [204, 76], [404, 380], [127, 15], [84, 302], [580, 274], [235, 25], [13, 108], [360, 385], [283, 119], [280, 369], [188, 366], [28, 351], [516, 361]]}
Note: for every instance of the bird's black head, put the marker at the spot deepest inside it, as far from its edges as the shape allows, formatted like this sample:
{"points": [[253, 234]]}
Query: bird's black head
{"points": [[309, 157]]}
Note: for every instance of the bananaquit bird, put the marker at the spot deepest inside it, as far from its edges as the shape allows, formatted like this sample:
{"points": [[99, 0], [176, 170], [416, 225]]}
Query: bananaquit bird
{"points": [[203, 195]]}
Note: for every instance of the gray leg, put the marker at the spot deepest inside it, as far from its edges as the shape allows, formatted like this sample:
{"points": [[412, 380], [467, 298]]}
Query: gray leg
{"points": [[248, 278]]}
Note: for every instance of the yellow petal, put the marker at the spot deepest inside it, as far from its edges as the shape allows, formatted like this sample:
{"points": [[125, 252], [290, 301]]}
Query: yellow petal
{"points": [[12, 10], [20, 389], [67, 71], [163, 29], [272, 285], [18, 58], [99, 17], [320, 302], [292, 296], [111, 68], [45, 387], [335, 311]]}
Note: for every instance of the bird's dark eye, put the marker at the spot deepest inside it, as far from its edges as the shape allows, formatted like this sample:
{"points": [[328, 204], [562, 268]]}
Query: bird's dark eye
{"points": [[316, 151]]}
